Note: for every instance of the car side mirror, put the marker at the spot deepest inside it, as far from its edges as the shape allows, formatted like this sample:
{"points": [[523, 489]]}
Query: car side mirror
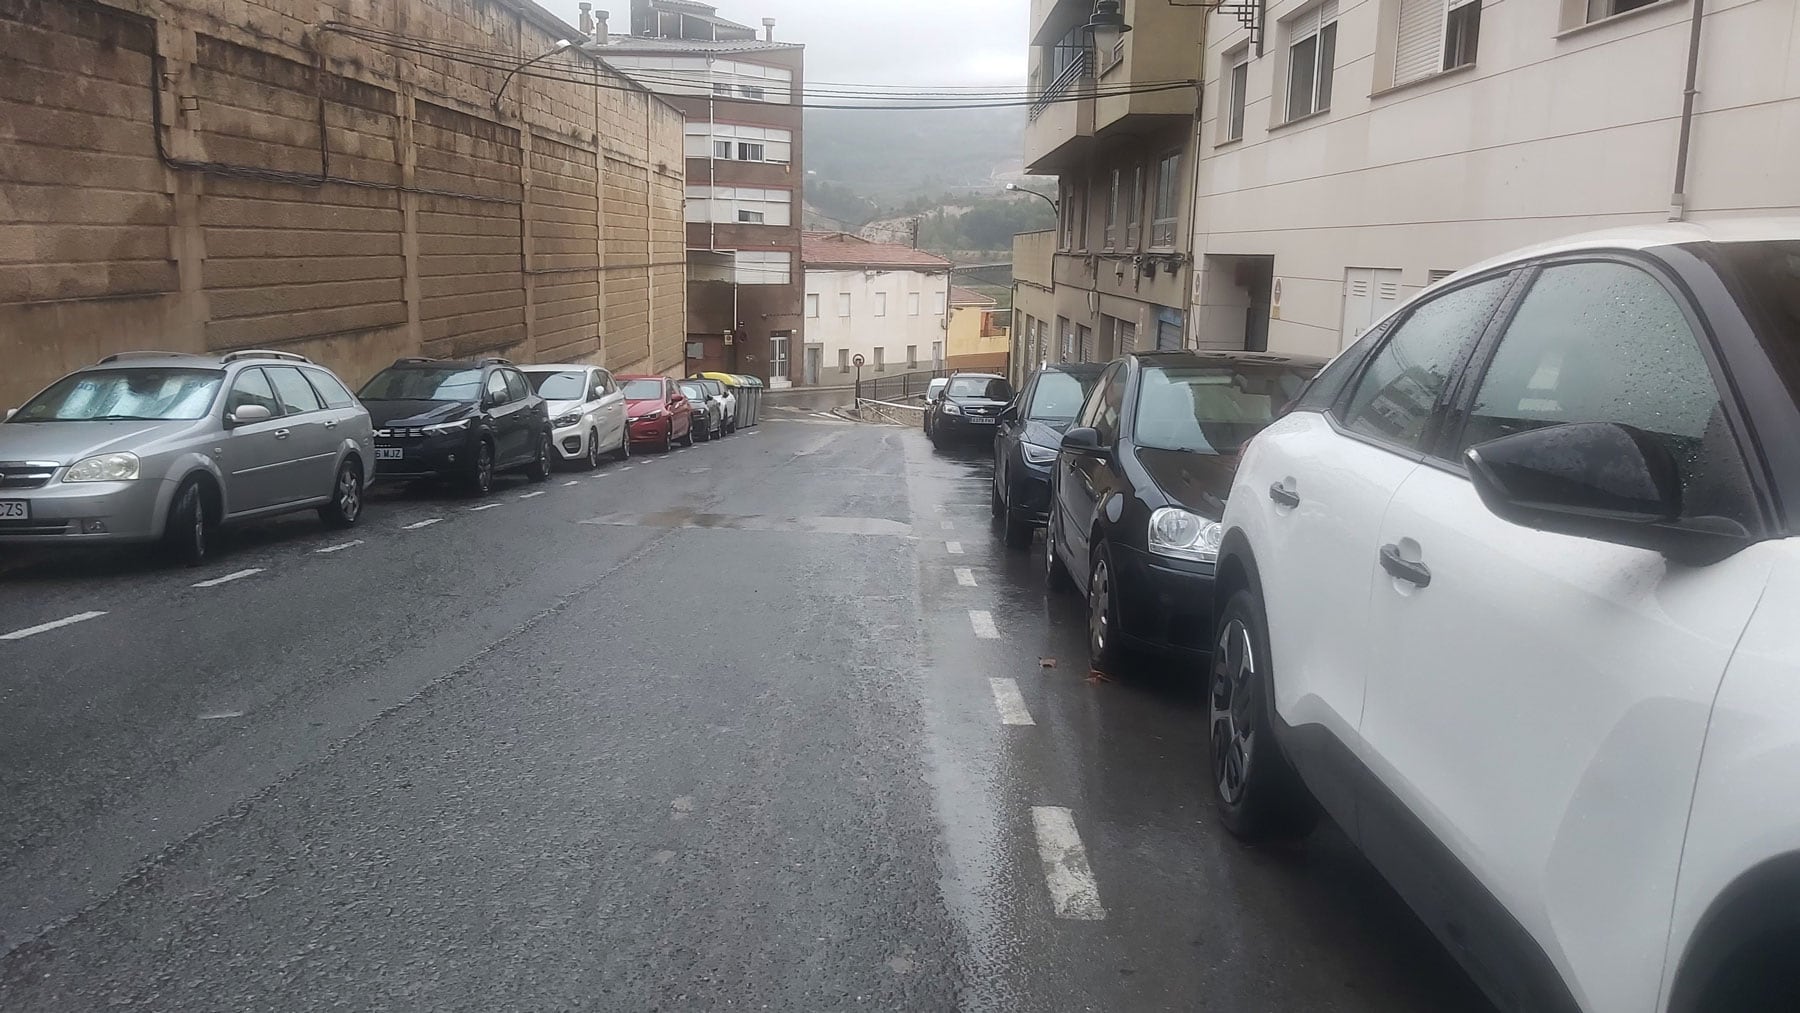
{"points": [[1599, 480], [1084, 440], [10, 412], [599, 391], [247, 414], [1010, 413]]}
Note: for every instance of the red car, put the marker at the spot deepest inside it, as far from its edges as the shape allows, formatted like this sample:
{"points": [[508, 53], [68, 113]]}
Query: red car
{"points": [[657, 412]]}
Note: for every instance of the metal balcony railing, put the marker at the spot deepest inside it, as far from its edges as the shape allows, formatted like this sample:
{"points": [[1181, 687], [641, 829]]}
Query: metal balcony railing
{"points": [[1073, 76]]}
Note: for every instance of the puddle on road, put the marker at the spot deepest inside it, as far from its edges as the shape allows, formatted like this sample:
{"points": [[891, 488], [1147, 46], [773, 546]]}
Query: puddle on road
{"points": [[758, 522]]}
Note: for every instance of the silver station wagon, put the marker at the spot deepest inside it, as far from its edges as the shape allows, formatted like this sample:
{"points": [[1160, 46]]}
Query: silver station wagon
{"points": [[161, 446]]}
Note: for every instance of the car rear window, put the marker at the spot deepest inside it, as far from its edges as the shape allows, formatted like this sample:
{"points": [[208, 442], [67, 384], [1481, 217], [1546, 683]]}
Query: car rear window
{"points": [[424, 383], [979, 386]]}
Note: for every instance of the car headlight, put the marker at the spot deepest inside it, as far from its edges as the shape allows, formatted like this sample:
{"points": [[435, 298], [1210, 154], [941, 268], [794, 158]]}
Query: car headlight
{"points": [[950, 409], [567, 420], [443, 428], [1035, 454], [1183, 535], [647, 416], [104, 468]]}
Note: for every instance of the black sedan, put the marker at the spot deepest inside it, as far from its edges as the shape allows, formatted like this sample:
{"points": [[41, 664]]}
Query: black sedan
{"points": [[1025, 444], [462, 421], [969, 408], [1139, 486]]}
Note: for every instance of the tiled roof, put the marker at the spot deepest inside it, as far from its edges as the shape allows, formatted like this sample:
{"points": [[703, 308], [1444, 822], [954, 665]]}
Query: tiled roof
{"points": [[840, 249], [960, 296]]}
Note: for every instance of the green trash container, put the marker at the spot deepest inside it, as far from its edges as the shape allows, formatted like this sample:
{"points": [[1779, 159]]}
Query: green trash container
{"points": [[750, 387]]}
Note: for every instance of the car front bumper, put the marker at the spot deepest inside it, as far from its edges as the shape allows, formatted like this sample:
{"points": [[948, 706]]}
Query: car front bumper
{"points": [[95, 512], [1028, 491], [571, 441], [652, 430], [426, 457], [1165, 605], [961, 426]]}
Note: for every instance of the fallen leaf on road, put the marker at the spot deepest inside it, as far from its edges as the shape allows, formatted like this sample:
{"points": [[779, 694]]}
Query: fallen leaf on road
{"points": [[1046, 662]]}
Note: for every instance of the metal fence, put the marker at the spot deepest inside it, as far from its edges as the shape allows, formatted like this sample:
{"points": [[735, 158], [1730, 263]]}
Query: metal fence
{"points": [[898, 387]]}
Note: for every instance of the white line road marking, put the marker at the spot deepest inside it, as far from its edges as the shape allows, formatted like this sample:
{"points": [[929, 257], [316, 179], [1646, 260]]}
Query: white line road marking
{"points": [[983, 621], [221, 715], [32, 631], [965, 576], [947, 525], [575, 482], [954, 548], [1073, 892], [532, 495], [425, 524], [228, 578], [626, 468], [1010, 703], [825, 415], [338, 548], [484, 506]]}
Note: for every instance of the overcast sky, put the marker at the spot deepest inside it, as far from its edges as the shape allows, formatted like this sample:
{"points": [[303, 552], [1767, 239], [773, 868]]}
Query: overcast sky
{"points": [[907, 42]]}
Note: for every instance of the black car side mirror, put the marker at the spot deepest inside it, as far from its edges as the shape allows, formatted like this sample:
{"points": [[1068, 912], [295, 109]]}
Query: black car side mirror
{"points": [[1598, 480], [1010, 413], [1085, 440]]}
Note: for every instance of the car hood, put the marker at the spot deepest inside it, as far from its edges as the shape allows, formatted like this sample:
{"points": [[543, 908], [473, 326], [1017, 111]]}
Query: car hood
{"points": [[635, 408], [1045, 432], [68, 442], [558, 409], [1197, 482], [413, 414]]}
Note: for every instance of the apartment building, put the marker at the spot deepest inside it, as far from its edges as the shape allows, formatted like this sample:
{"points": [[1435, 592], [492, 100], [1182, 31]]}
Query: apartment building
{"points": [[1353, 151], [741, 93], [1113, 123], [886, 302]]}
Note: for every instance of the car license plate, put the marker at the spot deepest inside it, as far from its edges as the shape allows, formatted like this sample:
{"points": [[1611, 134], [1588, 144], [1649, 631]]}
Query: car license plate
{"points": [[389, 454], [15, 510], [980, 420]]}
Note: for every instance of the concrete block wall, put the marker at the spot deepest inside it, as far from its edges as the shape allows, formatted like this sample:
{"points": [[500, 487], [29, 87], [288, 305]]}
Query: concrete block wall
{"points": [[443, 228]]}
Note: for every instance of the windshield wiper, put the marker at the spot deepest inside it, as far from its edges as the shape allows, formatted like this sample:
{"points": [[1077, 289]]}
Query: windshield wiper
{"points": [[116, 418]]}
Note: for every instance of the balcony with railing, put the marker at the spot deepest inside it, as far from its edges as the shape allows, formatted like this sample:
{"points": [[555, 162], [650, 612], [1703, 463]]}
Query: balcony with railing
{"points": [[1062, 112]]}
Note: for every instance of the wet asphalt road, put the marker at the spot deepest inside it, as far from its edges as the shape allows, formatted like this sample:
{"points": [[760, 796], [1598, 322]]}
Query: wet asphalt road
{"points": [[720, 731]]}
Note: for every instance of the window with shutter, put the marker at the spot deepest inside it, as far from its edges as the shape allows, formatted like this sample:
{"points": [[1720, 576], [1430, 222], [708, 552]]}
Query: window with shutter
{"points": [[1312, 60], [1418, 48]]}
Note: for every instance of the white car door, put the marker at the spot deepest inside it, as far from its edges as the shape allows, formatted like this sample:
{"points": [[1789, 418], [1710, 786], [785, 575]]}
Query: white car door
{"points": [[611, 411], [1540, 702], [1311, 492]]}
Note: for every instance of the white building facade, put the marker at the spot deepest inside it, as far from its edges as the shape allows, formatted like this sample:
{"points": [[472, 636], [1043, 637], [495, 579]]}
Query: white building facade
{"points": [[1353, 151], [883, 301]]}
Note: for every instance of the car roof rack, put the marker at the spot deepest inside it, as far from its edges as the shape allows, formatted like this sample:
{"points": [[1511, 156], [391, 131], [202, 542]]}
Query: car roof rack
{"points": [[125, 356], [413, 360], [262, 353], [493, 360]]}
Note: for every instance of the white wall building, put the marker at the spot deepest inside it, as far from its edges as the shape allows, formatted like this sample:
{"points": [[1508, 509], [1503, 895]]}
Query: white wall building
{"points": [[886, 302], [1360, 148]]}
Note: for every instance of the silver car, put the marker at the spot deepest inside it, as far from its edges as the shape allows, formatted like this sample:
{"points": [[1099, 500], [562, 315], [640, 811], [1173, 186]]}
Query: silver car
{"points": [[149, 446]]}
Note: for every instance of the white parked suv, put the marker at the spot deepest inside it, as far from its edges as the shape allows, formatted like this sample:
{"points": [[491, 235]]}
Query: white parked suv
{"points": [[1511, 593], [587, 411]]}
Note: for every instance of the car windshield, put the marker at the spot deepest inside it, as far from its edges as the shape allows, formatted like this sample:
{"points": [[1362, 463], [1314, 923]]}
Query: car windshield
{"points": [[1768, 281], [1211, 409], [125, 394], [423, 383], [1059, 396], [717, 388], [643, 390], [694, 392], [992, 388], [570, 385]]}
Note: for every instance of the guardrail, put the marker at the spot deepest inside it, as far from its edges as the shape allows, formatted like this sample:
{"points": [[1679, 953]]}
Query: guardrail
{"points": [[898, 387]]}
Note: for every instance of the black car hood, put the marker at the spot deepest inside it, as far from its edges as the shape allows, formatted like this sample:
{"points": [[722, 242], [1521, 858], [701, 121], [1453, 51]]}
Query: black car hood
{"points": [[1045, 432], [412, 414], [1197, 482]]}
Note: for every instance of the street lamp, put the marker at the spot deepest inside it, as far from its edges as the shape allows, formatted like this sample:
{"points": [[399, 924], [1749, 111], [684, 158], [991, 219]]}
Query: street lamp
{"points": [[561, 45], [1046, 198], [1107, 24]]}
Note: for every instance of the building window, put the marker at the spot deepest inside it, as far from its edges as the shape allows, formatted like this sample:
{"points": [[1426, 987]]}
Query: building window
{"points": [[721, 149], [937, 354], [880, 358], [812, 305], [938, 304], [1589, 11], [912, 304], [1067, 206], [748, 152], [1312, 54], [750, 217], [1168, 201], [1237, 84], [752, 92], [881, 304], [722, 88], [763, 267], [1134, 211], [1112, 209], [843, 360], [912, 356], [738, 142], [843, 304], [728, 204], [1432, 36]]}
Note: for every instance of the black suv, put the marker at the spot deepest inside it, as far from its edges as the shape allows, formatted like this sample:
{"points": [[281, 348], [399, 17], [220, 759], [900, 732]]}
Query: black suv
{"points": [[970, 406], [458, 420]]}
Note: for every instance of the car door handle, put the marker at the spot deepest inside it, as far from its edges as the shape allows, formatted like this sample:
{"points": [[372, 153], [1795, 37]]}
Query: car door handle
{"points": [[281, 434], [1404, 569], [331, 423], [1283, 496]]}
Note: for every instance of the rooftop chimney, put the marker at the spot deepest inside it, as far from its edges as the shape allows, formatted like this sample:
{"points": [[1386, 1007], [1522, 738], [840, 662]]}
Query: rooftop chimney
{"points": [[600, 30], [768, 29], [586, 24]]}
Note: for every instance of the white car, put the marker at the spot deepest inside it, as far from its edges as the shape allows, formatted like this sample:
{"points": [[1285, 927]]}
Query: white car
{"points": [[726, 397], [587, 411], [1511, 593]]}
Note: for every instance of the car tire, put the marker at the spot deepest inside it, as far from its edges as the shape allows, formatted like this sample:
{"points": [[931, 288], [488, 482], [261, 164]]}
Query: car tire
{"points": [[481, 476], [688, 440], [1056, 575], [346, 503], [996, 505], [539, 471], [593, 454], [1258, 794], [624, 450], [1105, 649], [188, 533], [668, 440], [1018, 531]]}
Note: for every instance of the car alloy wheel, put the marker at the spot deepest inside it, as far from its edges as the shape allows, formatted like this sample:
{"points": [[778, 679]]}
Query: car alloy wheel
{"points": [[540, 466], [1103, 614], [593, 454], [187, 533], [1056, 576], [346, 497], [483, 479], [1235, 695]]}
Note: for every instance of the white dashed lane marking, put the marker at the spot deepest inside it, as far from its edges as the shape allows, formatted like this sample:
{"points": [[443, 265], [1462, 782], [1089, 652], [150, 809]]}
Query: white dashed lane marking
{"points": [[571, 482], [423, 524], [532, 495], [1073, 892], [983, 621], [626, 468], [965, 576], [221, 715], [228, 578], [954, 548], [484, 506], [1010, 703], [327, 550], [32, 631]]}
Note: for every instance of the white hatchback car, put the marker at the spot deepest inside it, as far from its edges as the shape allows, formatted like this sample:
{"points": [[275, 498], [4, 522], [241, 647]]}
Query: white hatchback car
{"points": [[587, 411], [1511, 594]]}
